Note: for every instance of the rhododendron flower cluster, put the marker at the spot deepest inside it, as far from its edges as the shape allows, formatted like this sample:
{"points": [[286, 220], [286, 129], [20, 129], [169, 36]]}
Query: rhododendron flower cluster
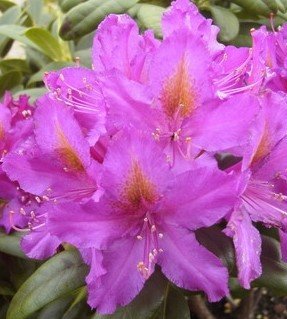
{"points": [[123, 160]]}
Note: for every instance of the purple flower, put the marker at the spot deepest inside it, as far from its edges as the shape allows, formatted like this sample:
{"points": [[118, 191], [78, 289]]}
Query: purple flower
{"points": [[147, 216], [260, 195], [55, 166]]}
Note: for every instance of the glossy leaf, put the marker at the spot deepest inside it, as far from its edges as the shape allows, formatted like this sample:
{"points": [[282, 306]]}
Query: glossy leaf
{"points": [[35, 8], [16, 32], [59, 276], [149, 17], [227, 22], [85, 17]]}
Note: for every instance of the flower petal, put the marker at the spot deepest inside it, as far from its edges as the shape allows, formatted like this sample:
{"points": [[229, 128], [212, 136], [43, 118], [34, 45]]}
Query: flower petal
{"points": [[247, 242], [191, 266]]}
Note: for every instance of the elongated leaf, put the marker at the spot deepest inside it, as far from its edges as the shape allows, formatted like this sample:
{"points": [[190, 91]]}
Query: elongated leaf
{"points": [[67, 5], [59, 276], [10, 244], [34, 8], [12, 15], [255, 6], [16, 32], [9, 80], [149, 17], [46, 43], [85, 17], [14, 64], [227, 22], [146, 304], [38, 77]]}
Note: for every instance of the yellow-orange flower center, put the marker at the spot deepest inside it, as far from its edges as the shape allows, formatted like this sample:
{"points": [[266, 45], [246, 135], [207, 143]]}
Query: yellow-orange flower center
{"points": [[67, 153], [178, 93], [138, 187]]}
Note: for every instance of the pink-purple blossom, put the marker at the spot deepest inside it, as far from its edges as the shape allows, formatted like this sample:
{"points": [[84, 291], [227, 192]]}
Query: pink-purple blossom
{"points": [[123, 160]]}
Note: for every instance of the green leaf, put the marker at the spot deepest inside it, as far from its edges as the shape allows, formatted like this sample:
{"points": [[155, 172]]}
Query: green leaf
{"points": [[12, 15], [46, 43], [219, 244], [227, 22], [6, 289], [255, 6], [6, 4], [35, 8], [274, 274], [38, 77], [10, 244], [85, 17], [14, 64], [67, 5], [16, 32], [146, 304], [149, 17], [57, 277], [8, 81], [175, 306]]}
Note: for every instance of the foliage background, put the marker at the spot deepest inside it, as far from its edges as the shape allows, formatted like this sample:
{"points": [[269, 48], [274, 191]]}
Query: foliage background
{"points": [[54, 34]]}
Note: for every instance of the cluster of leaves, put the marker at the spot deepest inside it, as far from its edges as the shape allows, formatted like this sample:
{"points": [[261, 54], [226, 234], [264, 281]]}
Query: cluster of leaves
{"points": [[56, 288], [52, 34]]}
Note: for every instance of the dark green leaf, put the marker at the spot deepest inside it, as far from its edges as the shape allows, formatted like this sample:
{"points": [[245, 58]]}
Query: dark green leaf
{"points": [[255, 6], [6, 289], [57, 277], [67, 5], [218, 243], [227, 22], [175, 306], [7, 82], [14, 64], [85, 17], [149, 17]]}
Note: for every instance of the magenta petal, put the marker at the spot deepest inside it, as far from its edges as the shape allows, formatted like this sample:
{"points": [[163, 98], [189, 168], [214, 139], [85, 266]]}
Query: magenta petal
{"points": [[94, 258], [191, 266], [40, 244], [85, 226], [184, 14], [247, 244], [123, 281], [56, 130], [225, 126], [201, 197], [118, 45]]}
